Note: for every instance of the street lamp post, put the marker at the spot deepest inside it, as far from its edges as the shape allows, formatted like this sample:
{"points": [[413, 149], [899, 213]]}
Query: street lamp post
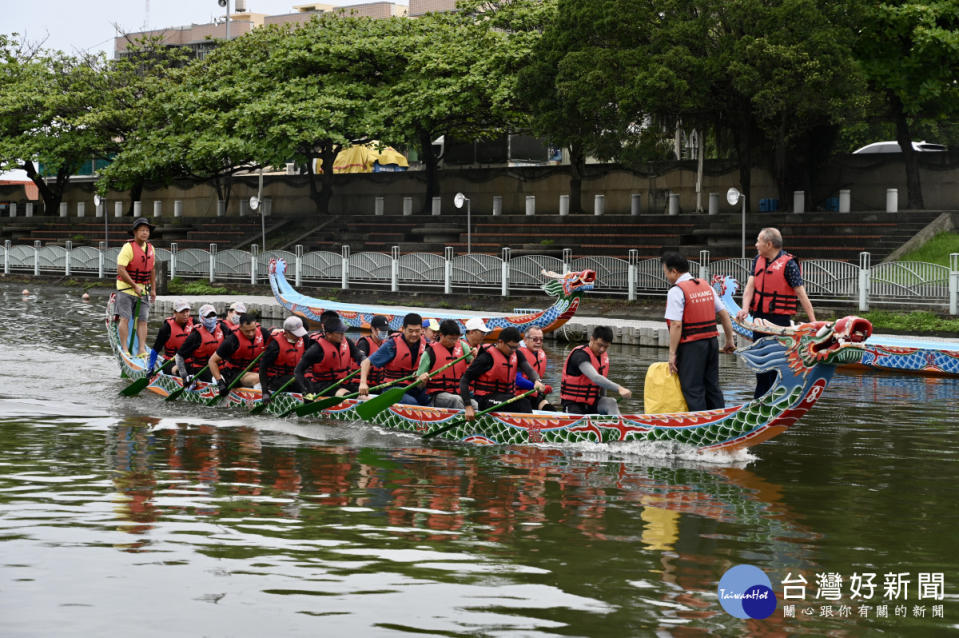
{"points": [[226, 4], [458, 200], [733, 196]]}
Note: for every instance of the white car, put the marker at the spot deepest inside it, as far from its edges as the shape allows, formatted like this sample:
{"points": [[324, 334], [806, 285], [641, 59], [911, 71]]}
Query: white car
{"points": [[893, 147]]}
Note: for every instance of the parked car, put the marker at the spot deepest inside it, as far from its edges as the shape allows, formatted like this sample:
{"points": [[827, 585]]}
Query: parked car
{"points": [[893, 147]]}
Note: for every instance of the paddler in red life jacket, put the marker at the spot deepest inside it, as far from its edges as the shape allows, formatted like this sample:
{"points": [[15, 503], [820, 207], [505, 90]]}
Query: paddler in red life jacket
{"points": [[283, 352], [232, 319], [532, 349], [368, 344], [691, 309], [493, 375], [443, 388], [398, 357], [173, 332], [328, 358], [200, 345], [584, 383], [773, 291], [135, 275], [238, 350]]}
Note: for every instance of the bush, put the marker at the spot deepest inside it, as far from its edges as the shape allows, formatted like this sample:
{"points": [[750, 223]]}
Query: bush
{"points": [[178, 286]]}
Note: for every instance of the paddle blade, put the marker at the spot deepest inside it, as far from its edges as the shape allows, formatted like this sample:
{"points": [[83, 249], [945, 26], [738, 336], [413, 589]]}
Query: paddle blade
{"points": [[446, 428], [214, 400], [371, 407], [136, 387], [176, 394]]}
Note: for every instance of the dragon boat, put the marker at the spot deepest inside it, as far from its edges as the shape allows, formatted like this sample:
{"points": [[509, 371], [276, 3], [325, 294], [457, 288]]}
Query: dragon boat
{"points": [[805, 357], [567, 288], [886, 353]]}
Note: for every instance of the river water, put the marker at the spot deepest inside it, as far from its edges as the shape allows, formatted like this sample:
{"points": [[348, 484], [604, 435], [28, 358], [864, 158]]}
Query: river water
{"points": [[138, 517]]}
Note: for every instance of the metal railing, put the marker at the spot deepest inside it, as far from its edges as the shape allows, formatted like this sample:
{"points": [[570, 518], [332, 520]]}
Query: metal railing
{"points": [[908, 283]]}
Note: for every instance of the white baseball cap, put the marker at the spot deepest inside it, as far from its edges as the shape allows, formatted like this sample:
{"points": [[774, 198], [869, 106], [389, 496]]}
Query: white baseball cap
{"points": [[206, 310], [238, 306], [180, 304], [294, 325], [476, 324]]}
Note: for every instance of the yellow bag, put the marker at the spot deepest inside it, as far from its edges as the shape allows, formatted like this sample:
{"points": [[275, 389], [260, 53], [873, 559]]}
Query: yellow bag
{"points": [[662, 394]]}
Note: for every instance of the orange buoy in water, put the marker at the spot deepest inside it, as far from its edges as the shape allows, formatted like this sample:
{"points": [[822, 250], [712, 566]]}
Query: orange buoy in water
{"points": [[25, 292]]}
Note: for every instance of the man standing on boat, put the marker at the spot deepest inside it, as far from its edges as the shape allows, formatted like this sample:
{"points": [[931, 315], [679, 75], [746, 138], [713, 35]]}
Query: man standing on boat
{"points": [[443, 388], [691, 309], [173, 332], [532, 349], [238, 350], [584, 381], [200, 345], [282, 353], [328, 358], [368, 344], [398, 357], [774, 289], [493, 375], [232, 319], [135, 279]]}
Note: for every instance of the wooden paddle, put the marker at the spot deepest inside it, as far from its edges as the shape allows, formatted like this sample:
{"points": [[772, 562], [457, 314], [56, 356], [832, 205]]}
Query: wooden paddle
{"points": [[318, 406], [236, 379], [137, 386], [370, 408], [176, 393], [265, 404], [457, 422], [323, 391]]}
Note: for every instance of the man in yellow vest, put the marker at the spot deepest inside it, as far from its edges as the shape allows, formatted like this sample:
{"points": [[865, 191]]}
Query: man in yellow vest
{"points": [[135, 278]]}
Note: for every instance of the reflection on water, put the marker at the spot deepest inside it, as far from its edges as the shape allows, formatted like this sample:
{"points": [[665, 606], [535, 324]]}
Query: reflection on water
{"points": [[114, 511]]}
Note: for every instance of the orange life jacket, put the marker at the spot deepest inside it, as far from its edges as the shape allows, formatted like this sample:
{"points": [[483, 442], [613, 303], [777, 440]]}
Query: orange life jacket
{"points": [[699, 311], [375, 375], [536, 361], [448, 380], [335, 365], [772, 295], [209, 342], [289, 355], [405, 362], [141, 266], [247, 350], [501, 378], [178, 335], [576, 386]]}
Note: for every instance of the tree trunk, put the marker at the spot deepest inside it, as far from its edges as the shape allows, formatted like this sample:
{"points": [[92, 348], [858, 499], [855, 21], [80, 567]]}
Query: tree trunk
{"points": [[577, 167], [136, 192], [323, 197], [909, 158], [431, 161], [51, 196]]}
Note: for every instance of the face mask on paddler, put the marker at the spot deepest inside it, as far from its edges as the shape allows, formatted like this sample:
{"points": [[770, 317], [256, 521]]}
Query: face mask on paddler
{"points": [[209, 323], [382, 335]]}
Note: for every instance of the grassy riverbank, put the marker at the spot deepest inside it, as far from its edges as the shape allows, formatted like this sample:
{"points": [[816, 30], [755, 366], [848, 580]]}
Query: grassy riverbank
{"points": [[936, 250]]}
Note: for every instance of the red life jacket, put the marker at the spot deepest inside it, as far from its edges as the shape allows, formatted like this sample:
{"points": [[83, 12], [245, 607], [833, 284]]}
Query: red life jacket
{"points": [[772, 295], [576, 386], [375, 375], [536, 361], [178, 335], [289, 355], [247, 350], [229, 327], [141, 266], [335, 364], [405, 362], [208, 345], [699, 311], [501, 378], [448, 380]]}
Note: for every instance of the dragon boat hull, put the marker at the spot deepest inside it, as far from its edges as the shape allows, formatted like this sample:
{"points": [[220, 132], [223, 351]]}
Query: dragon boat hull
{"points": [[908, 355], [726, 429], [568, 289]]}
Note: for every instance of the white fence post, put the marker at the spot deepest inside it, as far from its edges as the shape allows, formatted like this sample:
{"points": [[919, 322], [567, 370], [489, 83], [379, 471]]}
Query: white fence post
{"points": [[36, 258], [101, 258], [173, 250], [567, 257], [254, 253], [177, 207], [865, 260], [437, 205], [953, 283], [448, 270], [714, 203], [212, 263], [6, 257], [220, 208], [531, 204], [13, 209], [100, 209], [892, 200], [845, 200], [635, 204], [29, 212], [497, 205], [377, 205], [118, 209], [563, 205], [64, 209], [631, 274], [66, 263], [395, 269], [157, 208], [298, 269], [704, 266], [799, 201], [599, 204], [674, 203], [407, 206], [504, 291], [81, 209], [345, 267], [137, 209]]}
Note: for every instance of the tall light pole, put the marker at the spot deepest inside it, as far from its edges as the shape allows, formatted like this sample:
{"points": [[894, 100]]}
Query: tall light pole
{"points": [[226, 4], [458, 200], [733, 196]]}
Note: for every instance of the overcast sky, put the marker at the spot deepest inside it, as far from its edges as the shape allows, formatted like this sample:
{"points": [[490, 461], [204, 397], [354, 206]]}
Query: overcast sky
{"points": [[88, 25]]}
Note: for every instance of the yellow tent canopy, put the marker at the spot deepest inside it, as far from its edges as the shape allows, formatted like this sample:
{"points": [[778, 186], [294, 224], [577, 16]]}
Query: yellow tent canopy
{"points": [[360, 158]]}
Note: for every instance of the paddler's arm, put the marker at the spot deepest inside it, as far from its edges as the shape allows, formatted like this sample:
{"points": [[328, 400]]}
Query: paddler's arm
{"points": [[675, 335], [383, 355], [586, 369], [748, 292], [730, 336], [153, 278], [529, 372], [426, 362], [191, 343], [481, 364], [266, 362], [224, 350], [312, 356], [163, 334]]}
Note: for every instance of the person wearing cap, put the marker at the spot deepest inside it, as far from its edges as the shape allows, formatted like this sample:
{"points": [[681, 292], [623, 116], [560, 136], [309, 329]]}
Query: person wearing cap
{"points": [[200, 345], [328, 358], [232, 319], [280, 357], [239, 348], [398, 357], [173, 332], [532, 349], [476, 331], [493, 375], [430, 328], [368, 344], [443, 388], [135, 278]]}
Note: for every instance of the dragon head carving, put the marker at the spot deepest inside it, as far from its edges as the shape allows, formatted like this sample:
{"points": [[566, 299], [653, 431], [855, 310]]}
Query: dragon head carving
{"points": [[570, 284], [803, 346]]}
